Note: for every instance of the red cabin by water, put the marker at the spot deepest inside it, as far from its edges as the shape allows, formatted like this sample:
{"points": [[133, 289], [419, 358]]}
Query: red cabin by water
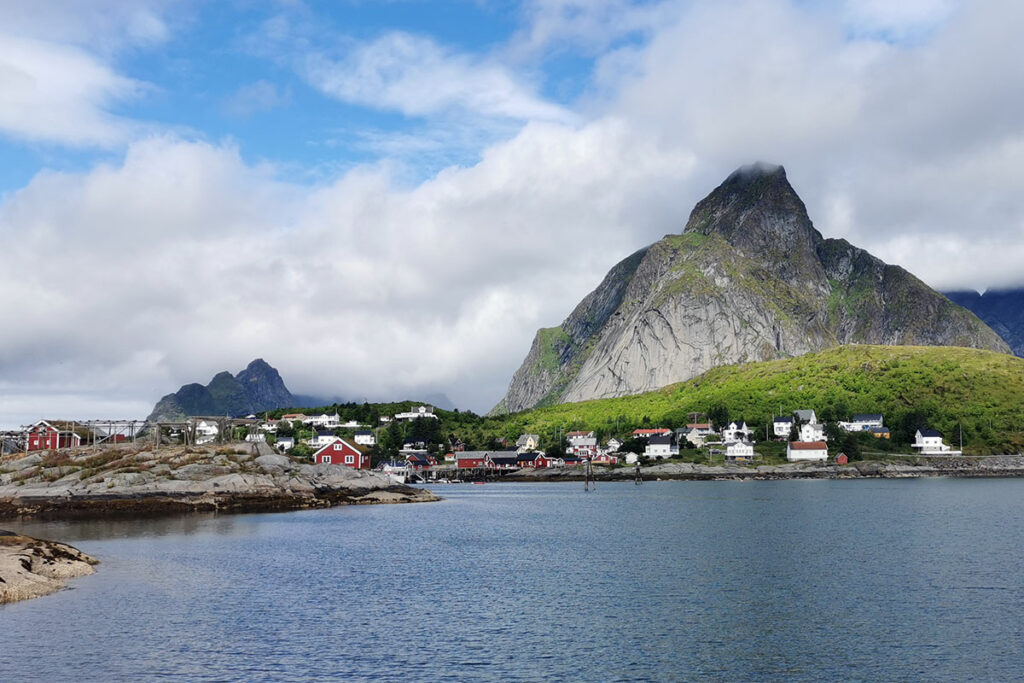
{"points": [[44, 436], [341, 452]]}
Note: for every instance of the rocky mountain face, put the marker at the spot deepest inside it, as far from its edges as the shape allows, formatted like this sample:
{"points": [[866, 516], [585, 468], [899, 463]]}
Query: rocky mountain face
{"points": [[1002, 310], [257, 388], [749, 278]]}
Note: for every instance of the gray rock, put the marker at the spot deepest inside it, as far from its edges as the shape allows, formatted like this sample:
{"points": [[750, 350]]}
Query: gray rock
{"points": [[275, 464]]}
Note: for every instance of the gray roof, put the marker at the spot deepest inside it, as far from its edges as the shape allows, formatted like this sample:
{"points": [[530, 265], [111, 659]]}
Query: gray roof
{"points": [[805, 415], [523, 438], [868, 417], [783, 419]]}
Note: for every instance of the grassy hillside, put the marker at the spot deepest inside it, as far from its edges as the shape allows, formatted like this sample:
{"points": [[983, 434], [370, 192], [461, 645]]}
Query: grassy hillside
{"points": [[941, 387]]}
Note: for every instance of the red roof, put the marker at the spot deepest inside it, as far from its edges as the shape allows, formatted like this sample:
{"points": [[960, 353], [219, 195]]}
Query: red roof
{"points": [[579, 434], [648, 432], [699, 425], [808, 446]]}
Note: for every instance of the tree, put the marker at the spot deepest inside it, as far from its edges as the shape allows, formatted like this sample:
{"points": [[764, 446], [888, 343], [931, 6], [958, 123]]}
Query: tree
{"points": [[719, 415]]}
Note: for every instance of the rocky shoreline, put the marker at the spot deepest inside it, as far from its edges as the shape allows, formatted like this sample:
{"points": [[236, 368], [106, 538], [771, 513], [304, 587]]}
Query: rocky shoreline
{"points": [[987, 466], [131, 481], [31, 567]]}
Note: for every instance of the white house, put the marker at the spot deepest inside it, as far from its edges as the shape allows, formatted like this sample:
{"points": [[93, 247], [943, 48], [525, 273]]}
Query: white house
{"points": [[322, 438], [735, 431], [614, 445], [205, 431], [929, 442], [782, 426], [325, 421], [739, 450], [351, 424], [365, 438], [807, 450], [862, 423], [661, 446], [416, 413], [631, 458], [285, 443], [812, 431]]}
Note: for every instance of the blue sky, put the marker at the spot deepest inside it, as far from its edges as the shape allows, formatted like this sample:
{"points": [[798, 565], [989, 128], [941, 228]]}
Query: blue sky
{"points": [[386, 199]]}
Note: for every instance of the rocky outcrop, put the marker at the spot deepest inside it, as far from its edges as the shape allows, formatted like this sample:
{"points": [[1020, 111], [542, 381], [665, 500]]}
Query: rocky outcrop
{"points": [[749, 279], [234, 478], [31, 567], [1002, 310], [257, 388]]}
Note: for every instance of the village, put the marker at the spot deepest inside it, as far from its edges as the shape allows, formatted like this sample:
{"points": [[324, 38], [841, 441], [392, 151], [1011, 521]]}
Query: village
{"points": [[326, 439]]}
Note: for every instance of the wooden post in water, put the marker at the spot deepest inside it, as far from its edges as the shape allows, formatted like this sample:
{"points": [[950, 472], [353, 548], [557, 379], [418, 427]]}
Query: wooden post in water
{"points": [[588, 476], [638, 478]]}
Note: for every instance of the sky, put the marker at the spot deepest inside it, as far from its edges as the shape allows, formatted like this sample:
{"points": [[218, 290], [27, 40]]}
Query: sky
{"points": [[386, 199]]}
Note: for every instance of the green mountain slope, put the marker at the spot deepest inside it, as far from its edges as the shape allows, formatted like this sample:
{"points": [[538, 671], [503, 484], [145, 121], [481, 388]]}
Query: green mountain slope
{"points": [[913, 386]]}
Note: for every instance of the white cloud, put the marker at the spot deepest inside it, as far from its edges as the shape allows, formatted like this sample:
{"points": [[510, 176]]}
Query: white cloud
{"points": [[56, 72], [185, 260], [195, 262], [419, 77], [58, 93], [590, 25], [251, 98]]}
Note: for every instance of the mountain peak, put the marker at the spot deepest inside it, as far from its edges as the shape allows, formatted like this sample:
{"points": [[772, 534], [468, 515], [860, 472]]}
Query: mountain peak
{"points": [[750, 280], [754, 172], [257, 388]]}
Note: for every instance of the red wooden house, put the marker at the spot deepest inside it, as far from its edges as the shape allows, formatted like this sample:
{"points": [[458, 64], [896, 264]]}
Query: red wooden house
{"points": [[471, 460], [420, 461], [341, 452], [842, 459], [543, 461], [44, 436], [605, 459]]}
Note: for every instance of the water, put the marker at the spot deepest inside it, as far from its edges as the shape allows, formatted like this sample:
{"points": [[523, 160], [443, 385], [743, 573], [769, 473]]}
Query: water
{"points": [[812, 580]]}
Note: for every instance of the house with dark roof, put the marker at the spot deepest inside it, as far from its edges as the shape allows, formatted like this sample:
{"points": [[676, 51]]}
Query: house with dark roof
{"points": [[661, 447], [862, 423], [929, 442], [782, 426], [503, 460]]}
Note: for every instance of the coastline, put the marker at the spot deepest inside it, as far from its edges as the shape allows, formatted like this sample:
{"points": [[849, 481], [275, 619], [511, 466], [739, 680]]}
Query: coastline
{"points": [[237, 478], [32, 567], [914, 467]]}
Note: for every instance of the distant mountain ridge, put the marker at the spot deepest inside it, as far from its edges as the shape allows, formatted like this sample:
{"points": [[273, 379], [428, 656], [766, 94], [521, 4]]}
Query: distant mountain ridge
{"points": [[257, 388], [749, 279], [1000, 309]]}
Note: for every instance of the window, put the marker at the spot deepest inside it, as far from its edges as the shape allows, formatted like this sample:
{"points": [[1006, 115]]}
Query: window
{"points": [[325, 458], [350, 459], [337, 446]]}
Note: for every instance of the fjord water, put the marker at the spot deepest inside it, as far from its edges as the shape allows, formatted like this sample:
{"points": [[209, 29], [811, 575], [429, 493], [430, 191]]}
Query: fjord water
{"points": [[816, 580]]}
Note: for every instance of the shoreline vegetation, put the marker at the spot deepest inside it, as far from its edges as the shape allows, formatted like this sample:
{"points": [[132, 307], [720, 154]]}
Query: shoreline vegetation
{"points": [[32, 567]]}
